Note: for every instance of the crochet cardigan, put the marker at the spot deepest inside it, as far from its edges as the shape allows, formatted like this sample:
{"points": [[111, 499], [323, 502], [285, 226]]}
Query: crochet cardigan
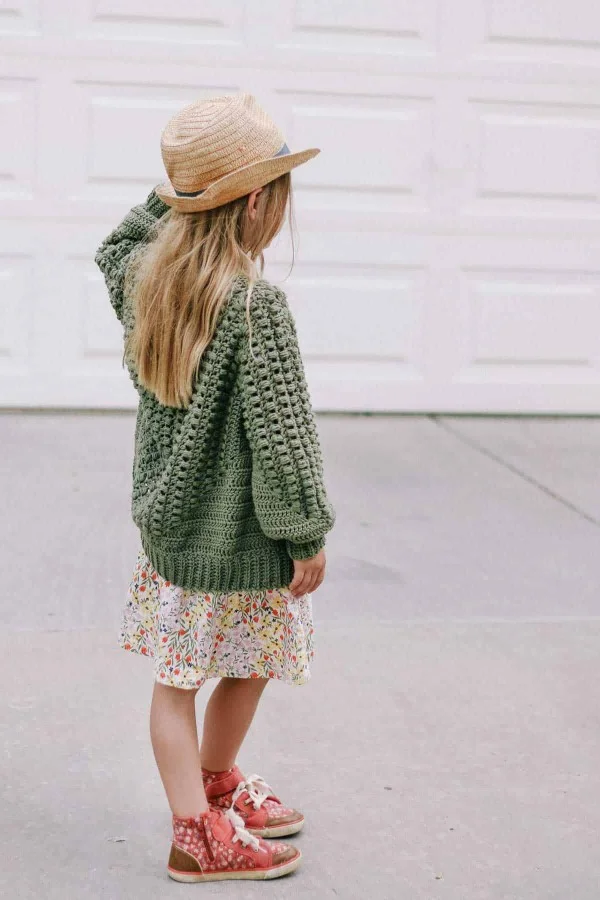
{"points": [[228, 491]]}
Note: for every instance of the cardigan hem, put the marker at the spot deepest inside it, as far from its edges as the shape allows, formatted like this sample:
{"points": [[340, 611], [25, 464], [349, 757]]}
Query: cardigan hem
{"points": [[200, 571]]}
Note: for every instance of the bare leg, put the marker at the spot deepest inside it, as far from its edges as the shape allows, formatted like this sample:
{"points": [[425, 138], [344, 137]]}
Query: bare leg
{"points": [[228, 716], [174, 737]]}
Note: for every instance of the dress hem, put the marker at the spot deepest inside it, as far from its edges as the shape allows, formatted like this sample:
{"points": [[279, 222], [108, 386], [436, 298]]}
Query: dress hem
{"points": [[293, 682]]}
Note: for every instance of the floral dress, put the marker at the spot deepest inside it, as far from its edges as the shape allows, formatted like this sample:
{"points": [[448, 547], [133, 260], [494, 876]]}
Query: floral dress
{"points": [[192, 636]]}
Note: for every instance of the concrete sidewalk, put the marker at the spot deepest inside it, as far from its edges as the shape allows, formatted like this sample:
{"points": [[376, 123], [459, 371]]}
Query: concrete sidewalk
{"points": [[448, 744]]}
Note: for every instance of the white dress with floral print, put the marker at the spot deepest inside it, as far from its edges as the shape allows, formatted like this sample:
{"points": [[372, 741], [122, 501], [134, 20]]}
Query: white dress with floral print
{"points": [[193, 636]]}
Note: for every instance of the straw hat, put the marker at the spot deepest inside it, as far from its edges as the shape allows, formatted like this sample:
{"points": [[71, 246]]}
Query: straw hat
{"points": [[218, 150]]}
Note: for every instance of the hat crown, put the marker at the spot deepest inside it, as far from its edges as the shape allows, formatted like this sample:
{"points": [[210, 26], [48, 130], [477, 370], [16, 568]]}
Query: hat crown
{"points": [[209, 139]]}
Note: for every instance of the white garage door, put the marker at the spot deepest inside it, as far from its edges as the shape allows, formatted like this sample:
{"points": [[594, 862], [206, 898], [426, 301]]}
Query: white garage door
{"points": [[449, 231]]}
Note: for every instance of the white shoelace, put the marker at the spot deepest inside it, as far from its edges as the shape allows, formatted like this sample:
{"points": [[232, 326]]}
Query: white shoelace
{"points": [[241, 834], [257, 788]]}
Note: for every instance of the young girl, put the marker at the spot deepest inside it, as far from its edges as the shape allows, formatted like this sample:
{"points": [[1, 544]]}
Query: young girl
{"points": [[228, 490]]}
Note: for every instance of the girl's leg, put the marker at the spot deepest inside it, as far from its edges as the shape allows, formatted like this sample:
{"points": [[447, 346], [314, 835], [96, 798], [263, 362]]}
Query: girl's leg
{"points": [[174, 737], [228, 716]]}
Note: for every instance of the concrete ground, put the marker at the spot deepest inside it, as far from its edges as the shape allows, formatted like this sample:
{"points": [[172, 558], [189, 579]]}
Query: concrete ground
{"points": [[447, 746]]}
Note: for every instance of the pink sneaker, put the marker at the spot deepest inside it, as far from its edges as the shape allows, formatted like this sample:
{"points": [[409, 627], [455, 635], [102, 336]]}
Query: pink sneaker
{"points": [[215, 846], [252, 798]]}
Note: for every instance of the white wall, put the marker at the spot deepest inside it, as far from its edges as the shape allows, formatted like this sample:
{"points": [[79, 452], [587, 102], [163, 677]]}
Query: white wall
{"points": [[449, 253]]}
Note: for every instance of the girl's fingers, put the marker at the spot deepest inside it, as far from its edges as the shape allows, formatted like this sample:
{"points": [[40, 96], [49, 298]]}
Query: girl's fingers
{"points": [[315, 580], [303, 586], [319, 576], [319, 580], [307, 578], [307, 586], [297, 579]]}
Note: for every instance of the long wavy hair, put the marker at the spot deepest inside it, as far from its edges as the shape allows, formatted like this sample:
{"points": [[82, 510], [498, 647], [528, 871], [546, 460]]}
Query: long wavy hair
{"points": [[180, 281]]}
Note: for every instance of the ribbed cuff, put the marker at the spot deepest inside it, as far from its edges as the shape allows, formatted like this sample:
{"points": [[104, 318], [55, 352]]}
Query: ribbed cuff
{"points": [[155, 205], [306, 550]]}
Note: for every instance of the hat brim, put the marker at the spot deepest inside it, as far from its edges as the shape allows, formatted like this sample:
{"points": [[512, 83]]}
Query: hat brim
{"points": [[235, 184]]}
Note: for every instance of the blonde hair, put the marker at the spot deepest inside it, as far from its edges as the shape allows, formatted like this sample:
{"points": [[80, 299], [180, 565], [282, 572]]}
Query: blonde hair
{"points": [[181, 280]]}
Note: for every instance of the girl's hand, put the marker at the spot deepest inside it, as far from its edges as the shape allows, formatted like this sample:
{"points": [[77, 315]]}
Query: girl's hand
{"points": [[308, 574]]}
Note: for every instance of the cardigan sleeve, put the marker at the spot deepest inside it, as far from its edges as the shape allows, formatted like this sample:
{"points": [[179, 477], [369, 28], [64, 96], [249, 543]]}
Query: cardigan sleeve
{"points": [[114, 253], [288, 491]]}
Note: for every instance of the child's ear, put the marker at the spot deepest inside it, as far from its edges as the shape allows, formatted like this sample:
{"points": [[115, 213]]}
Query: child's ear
{"points": [[252, 210]]}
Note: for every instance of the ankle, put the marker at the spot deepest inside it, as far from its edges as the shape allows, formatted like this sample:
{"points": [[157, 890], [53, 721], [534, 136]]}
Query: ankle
{"points": [[182, 816], [216, 773]]}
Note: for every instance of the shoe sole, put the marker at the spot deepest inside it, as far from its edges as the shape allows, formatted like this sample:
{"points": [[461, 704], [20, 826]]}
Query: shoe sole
{"points": [[246, 874], [275, 831]]}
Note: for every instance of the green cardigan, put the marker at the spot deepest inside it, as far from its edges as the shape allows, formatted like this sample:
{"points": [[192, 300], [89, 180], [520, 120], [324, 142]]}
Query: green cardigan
{"points": [[228, 491]]}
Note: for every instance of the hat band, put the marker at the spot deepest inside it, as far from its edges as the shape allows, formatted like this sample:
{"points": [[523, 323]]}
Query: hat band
{"points": [[282, 152]]}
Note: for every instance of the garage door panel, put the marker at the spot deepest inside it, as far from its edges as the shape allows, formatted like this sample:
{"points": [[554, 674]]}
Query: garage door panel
{"points": [[102, 337], [526, 323], [524, 155], [544, 23], [390, 172], [18, 148], [96, 343], [19, 17], [359, 26], [362, 304], [365, 313], [210, 21], [116, 153], [16, 314], [509, 37], [519, 326]]}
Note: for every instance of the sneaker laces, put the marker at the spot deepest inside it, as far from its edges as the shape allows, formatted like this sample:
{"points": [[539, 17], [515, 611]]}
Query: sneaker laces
{"points": [[241, 833], [257, 789]]}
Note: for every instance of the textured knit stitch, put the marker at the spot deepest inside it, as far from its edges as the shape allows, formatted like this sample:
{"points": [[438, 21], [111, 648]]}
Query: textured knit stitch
{"points": [[228, 491]]}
